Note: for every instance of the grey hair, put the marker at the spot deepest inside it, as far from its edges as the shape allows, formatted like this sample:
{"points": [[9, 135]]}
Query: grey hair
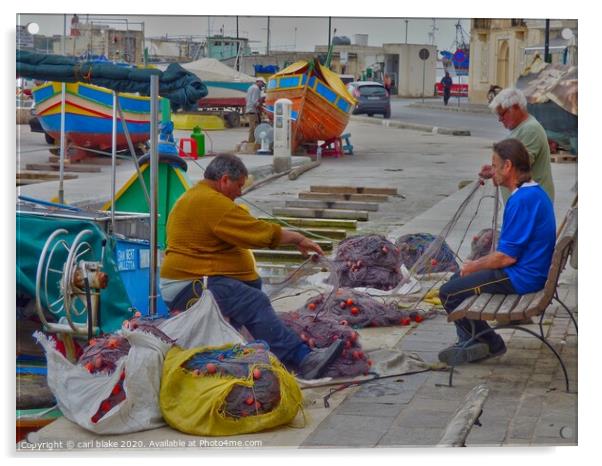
{"points": [[226, 164], [507, 98]]}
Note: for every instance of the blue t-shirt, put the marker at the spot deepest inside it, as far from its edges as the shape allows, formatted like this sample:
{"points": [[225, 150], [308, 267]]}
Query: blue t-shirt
{"points": [[529, 235]]}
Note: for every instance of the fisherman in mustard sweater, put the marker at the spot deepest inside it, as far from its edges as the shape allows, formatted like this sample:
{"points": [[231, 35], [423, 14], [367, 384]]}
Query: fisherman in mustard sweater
{"points": [[208, 235]]}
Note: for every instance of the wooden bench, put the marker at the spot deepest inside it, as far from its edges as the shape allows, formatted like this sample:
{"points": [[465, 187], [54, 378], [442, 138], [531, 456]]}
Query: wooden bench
{"points": [[509, 310]]}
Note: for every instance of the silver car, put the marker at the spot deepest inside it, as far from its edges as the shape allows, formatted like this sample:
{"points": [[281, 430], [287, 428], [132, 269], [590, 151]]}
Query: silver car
{"points": [[372, 97]]}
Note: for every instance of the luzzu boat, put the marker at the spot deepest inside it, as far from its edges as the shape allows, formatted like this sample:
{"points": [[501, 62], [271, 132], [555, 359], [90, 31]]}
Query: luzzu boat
{"points": [[321, 105], [89, 113]]}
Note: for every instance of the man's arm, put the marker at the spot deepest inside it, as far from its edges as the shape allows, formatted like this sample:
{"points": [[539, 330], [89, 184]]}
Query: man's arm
{"points": [[494, 260], [305, 245]]}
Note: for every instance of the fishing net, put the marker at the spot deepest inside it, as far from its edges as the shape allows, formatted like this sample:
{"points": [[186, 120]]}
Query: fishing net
{"points": [[413, 246], [232, 389], [369, 261], [481, 244], [329, 317], [103, 353]]}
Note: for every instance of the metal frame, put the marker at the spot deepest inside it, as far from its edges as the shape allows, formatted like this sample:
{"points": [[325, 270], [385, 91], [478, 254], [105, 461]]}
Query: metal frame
{"points": [[540, 337]]}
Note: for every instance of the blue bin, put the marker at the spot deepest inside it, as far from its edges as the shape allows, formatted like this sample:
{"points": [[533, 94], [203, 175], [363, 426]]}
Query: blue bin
{"points": [[133, 263]]}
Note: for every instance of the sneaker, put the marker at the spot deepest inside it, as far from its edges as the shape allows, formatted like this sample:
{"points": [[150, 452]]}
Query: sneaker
{"points": [[316, 362], [458, 354]]}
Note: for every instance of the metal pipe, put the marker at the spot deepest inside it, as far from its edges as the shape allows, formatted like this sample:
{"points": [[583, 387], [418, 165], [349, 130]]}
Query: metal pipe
{"points": [[154, 178], [113, 160], [546, 51], [126, 132], [62, 153]]}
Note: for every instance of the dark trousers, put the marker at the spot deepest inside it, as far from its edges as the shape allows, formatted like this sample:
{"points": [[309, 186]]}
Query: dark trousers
{"points": [[446, 95], [457, 289], [244, 304]]}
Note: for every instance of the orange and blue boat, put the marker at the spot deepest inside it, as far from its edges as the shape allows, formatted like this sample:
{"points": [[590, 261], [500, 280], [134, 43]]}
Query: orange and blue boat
{"points": [[89, 115], [321, 104]]}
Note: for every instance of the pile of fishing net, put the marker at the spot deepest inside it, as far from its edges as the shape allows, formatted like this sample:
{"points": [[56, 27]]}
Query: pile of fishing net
{"points": [[226, 390], [328, 317], [481, 244], [102, 355], [114, 386], [369, 261], [426, 253]]}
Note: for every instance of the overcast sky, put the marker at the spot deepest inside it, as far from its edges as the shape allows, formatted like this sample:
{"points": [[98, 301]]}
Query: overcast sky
{"points": [[286, 33]]}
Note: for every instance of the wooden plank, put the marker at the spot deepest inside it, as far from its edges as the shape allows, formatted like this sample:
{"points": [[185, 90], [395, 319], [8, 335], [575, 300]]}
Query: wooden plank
{"points": [[334, 233], [353, 190], [533, 309], [88, 160], [42, 175], [342, 205], [518, 313], [324, 244], [313, 222], [279, 255], [68, 168], [489, 312], [344, 197], [563, 158], [503, 313], [474, 312], [464, 418], [460, 311], [322, 213]]}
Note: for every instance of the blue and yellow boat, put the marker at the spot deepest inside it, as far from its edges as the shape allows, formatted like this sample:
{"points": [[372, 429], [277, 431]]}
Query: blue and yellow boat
{"points": [[89, 113], [321, 103]]}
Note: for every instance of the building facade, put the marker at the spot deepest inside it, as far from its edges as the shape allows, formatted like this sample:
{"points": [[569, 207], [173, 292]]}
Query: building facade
{"points": [[501, 50]]}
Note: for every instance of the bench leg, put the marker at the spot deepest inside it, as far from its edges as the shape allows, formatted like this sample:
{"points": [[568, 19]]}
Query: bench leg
{"points": [[567, 310], [517, 327]]}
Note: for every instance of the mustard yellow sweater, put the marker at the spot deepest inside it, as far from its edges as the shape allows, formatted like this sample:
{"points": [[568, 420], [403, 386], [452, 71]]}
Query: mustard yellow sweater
{"points": [[208, 234]]}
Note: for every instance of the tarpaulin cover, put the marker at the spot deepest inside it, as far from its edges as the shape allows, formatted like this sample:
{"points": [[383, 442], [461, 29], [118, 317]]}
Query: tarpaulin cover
{"points": [[194, 401], [32, 233], [181, 87]]}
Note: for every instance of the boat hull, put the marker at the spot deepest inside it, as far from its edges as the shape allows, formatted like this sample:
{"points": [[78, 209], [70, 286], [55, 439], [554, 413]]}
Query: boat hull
{"points": [[89, 113], [319, 113]]}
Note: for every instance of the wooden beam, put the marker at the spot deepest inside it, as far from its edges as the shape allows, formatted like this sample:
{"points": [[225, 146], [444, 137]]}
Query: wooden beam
{"points": [[314, 222], [68, 167], [343, 197], [342, 205], [353, 190], [322, 213]]}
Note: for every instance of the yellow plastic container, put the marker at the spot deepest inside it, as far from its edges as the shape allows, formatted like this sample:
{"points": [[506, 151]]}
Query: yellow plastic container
{"points": [[187, 121]]}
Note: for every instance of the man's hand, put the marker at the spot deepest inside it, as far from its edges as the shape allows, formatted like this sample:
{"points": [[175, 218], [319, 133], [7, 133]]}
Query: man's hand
{"points": [[468, 268], [306, 246], [486, 172]]}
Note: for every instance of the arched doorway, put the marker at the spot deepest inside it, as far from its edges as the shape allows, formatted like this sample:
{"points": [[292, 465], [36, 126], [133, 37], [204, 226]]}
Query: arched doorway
{"points": [[503, 56]]}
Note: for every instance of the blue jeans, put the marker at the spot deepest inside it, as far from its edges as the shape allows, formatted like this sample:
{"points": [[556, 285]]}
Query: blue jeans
{"points": [[246, 305], [457, 289]]}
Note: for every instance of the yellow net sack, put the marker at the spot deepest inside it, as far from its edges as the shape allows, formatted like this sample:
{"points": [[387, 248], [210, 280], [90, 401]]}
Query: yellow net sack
{"points": [[227, 390]]}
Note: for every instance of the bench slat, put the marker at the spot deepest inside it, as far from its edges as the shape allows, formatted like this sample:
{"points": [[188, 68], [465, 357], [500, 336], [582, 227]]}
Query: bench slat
{"points": [[477, 306], [460, 311], [518, 313], [494, 304], [534, 308], [502, 315]]}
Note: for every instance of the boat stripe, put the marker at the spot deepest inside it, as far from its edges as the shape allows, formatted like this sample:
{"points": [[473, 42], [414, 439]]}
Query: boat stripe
{"points": [[57, 105]]}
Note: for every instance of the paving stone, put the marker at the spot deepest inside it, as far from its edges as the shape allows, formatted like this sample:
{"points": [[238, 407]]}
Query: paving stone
{"points": [[522, 427], [489, 434], [394, 390], [349, 431], [365, 408], [409, 436], [413, 417]]}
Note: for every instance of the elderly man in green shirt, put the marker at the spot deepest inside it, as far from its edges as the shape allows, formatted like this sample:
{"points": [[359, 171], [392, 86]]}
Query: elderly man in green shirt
{"points": [[510, 105]]}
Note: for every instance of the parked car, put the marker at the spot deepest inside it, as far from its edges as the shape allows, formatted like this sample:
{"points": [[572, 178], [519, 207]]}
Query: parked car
{"points": [[372, 97]]}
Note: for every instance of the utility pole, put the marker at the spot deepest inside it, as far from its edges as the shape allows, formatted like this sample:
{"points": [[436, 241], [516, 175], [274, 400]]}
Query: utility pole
{"points": [[329, 29], [268, 46], [406, 20], [546, 51], [237, 47]]}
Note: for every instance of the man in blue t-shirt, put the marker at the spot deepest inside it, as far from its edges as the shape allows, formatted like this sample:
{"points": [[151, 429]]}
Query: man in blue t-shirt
{"points": [[521, 262]]}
